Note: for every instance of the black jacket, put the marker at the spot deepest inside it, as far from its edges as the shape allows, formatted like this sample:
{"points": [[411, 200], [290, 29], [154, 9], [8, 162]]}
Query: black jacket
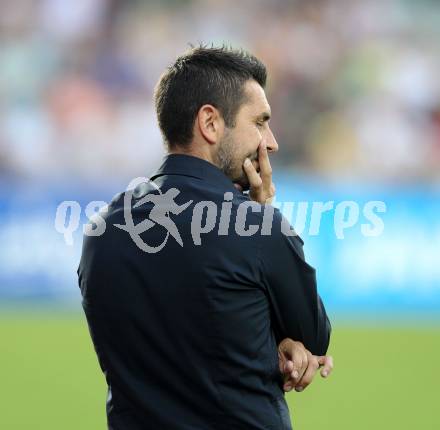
{"points": [[187, 335]]}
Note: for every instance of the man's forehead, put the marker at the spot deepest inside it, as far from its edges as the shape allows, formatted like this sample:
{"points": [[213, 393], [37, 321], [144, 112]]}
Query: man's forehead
{"points": [[256, 98]]}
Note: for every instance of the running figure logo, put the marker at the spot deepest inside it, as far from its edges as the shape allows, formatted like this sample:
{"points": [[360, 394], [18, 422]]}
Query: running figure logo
{"points": [[164, 204]]}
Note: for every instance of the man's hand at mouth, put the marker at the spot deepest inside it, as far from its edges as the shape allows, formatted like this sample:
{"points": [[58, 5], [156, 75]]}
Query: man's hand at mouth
{"points": [[262, 189]]}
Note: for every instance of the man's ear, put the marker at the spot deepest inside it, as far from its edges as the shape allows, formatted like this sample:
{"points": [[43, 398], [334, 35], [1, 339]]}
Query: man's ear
{"points": [[210, 124]]}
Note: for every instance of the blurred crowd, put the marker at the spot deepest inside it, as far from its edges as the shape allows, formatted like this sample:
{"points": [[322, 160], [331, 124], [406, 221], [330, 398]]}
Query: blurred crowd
{"points": [[353, 84]]}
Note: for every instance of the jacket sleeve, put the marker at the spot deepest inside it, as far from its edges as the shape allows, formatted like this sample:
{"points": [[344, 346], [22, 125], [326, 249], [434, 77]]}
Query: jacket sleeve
{"points": [[297, 310]]}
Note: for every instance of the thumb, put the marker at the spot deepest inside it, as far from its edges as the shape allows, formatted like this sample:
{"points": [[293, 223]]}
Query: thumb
{"points": [[326, 361]]}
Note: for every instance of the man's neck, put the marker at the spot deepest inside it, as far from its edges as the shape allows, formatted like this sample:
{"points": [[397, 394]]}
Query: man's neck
{"points": [[194, 151]]}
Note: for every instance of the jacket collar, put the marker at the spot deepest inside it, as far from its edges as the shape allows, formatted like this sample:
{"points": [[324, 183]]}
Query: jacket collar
{"points": [[188, 165]]}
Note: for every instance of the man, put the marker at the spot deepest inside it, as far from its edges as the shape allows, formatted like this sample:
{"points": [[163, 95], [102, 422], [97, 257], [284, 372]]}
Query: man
{"points": [[198, 323]]}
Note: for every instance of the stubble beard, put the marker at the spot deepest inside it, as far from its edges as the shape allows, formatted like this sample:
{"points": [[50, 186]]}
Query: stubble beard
{"points": [[230, 164]]}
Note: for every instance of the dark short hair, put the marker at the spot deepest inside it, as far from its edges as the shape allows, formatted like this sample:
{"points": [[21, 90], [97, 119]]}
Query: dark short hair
{"points": [[203, 75]]}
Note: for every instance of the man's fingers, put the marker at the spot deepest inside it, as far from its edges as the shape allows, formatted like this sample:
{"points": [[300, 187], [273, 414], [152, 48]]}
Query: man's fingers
{"points": [[299, 365], [288, 368], [314, 363], [313, 366], [265, 167], [287, 376], [254, 178], [326, 361], [261, 187], [272, 189], [293, 360]]}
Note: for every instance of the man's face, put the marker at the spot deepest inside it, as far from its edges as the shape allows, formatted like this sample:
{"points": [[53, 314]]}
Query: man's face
{"points": [[242, 141]]}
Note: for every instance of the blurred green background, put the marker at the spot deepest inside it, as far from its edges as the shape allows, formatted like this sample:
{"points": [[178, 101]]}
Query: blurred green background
{"points": [[384, 378]]}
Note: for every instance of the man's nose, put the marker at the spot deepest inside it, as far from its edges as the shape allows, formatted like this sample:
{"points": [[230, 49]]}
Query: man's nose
{"points": [[271, 143]]}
